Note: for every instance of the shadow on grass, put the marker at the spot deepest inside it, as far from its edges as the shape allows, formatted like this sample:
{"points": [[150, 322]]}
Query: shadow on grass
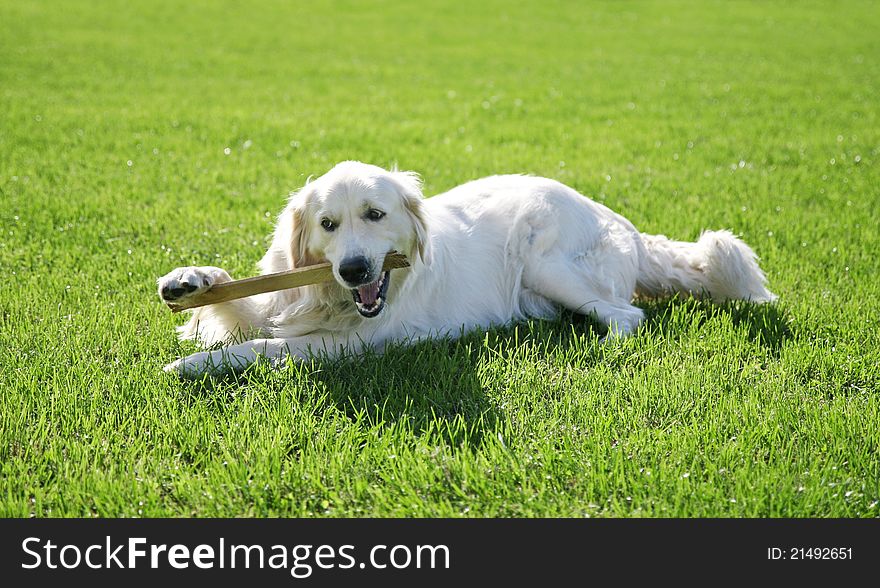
{"points": [[766, 324], [436, 387], [431, 388]]}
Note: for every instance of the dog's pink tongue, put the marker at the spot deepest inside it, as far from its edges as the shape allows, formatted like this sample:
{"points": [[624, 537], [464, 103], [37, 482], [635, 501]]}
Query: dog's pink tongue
{"points": [[369, 293]]}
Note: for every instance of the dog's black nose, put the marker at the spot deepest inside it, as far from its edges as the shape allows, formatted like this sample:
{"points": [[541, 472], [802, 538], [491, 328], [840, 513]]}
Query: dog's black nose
{"points": [[355, 270], [169, 293]]}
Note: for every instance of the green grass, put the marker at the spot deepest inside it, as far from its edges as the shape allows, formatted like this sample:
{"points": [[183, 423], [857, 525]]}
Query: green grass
{"points": [[762, 117]]}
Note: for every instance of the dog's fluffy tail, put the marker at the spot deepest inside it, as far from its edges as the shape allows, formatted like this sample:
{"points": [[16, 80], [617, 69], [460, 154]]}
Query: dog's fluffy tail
{"points": [[718, 265]]}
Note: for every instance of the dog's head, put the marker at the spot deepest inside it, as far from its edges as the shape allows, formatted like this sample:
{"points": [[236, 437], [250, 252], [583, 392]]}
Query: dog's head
{"points": [[352, 216]]}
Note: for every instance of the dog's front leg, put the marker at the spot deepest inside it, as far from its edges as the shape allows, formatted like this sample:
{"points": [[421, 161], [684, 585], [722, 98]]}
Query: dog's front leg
{"points": [[237, 358]]}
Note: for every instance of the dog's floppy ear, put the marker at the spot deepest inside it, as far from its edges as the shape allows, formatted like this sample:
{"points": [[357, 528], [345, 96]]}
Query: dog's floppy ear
{"points": [[411, 191], [292, 232]]}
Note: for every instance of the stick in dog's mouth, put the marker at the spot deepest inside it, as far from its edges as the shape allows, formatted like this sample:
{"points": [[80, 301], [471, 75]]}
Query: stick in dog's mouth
{"points": [[303, 276]]}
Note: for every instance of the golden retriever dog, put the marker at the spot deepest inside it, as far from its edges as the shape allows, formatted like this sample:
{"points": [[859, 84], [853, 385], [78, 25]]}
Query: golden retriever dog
{"points": [[486, 253]]}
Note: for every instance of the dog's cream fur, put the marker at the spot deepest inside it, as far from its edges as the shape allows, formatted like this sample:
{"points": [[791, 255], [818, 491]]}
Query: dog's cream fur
{"points": [[492, 251]]}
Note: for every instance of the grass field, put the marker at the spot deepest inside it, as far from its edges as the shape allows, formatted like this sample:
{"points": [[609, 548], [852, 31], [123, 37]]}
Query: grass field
{"points": [[137, 137]]}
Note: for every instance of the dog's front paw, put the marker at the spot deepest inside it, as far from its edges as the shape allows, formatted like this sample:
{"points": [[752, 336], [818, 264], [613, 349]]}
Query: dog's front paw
{"points": [[189, 281], [211, 363], [193, 366]]}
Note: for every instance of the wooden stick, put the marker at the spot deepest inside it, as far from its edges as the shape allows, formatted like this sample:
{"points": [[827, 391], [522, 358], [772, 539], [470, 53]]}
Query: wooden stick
{"points": [[304, 276]]}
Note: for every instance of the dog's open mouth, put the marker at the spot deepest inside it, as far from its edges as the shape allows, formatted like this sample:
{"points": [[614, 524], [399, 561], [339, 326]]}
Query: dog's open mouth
{"points": [[370, 298]]}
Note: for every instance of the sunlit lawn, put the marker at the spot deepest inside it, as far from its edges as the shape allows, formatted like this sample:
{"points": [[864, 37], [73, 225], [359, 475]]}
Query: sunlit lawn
{"points": [[136, 137]]}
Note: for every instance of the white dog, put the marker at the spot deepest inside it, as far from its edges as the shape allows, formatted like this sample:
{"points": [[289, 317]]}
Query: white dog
{"points": [[492, 251]]}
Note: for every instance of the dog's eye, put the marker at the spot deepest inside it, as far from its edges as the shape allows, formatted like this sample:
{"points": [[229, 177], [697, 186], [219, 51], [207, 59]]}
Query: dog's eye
{"points": [[374, 214], [328, 224]]}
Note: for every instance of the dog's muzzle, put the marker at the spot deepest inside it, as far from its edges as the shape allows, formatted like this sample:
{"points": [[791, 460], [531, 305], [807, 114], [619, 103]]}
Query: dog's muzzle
{"points": [[368, 297]]}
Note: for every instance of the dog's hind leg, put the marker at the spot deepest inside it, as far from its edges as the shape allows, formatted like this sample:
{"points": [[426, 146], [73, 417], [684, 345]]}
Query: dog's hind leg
{"points": [[575, 285]]}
